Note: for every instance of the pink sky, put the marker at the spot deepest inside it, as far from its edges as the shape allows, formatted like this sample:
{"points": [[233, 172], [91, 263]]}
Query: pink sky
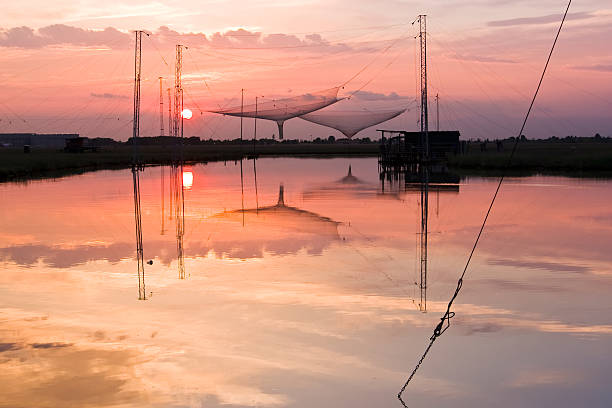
{"points": [[69, 67]]}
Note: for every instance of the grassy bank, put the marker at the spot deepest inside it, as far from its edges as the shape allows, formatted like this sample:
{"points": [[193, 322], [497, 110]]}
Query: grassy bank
{"points": [[581, 158], [40, 163], [539, 156]]}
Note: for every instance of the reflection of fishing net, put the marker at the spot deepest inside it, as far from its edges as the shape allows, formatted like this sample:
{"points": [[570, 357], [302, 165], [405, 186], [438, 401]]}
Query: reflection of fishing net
{"points": [[350, 122], [282, 109]]}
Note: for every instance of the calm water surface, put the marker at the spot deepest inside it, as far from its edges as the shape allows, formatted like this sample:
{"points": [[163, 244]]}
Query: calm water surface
{"points": [[313, 303]]}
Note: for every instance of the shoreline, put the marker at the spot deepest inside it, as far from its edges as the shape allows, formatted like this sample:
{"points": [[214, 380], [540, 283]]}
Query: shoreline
{"points": [[583, 159]]}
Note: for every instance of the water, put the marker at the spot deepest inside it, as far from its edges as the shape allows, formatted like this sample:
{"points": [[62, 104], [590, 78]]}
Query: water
{"points": [[315, 304]]}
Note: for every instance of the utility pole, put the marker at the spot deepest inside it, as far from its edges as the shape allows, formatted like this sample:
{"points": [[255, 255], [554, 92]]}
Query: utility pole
{"points": [[161, 107], [241, 112], [437, 112], [424, 164], [170, 130], [255, 127], [142, 294]]}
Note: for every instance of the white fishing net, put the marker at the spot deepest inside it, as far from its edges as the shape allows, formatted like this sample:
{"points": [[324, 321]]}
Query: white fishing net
{"points": [[283, 109], [351, 122]]}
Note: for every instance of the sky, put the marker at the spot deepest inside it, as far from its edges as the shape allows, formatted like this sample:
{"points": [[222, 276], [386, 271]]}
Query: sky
{"points": [[69, 67]]}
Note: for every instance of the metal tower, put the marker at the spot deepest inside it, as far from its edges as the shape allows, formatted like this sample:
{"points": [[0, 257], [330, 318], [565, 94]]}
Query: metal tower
{"points": [[424, 164], [178, 91], [136, 166]]}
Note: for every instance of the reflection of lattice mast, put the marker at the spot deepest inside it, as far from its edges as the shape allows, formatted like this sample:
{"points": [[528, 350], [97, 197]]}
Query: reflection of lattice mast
{"points": [[179, 214], [424, 164], [136, 166]]}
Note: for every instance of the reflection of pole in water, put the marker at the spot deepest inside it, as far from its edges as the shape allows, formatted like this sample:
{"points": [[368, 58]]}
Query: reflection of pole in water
{"points": [[142, 295], [423, 235], [163, 192], [179, 214], [256, 192], [242, 190]]}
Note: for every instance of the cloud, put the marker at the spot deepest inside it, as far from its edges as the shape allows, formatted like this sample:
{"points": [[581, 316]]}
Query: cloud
{"points": [[107, 95], [596, 67], [374, 96], [60, 34], [551, 18], [481, 58], [246, 39]]}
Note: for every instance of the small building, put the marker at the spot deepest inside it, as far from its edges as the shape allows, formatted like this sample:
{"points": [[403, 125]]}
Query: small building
{"points": [[404, 150], [46, 140]]}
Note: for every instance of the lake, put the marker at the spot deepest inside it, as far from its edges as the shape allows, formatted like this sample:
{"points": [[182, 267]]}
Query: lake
{"points": [[302, 290]]}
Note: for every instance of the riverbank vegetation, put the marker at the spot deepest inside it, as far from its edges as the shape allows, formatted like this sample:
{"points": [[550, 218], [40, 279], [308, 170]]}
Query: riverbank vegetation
{"points": [[567, 155]]}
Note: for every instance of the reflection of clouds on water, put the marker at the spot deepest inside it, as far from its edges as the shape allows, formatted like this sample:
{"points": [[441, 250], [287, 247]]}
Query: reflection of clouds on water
{"points": [[538, 377], [263, 331], [519, 286], [59, 257], [547, 266], [70, 377]]}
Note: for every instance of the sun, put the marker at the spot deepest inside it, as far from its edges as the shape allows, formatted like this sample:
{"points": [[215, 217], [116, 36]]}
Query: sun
{"points": [[187, 113]]}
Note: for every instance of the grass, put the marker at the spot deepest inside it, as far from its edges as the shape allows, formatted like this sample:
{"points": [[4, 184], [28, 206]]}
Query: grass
{"points": [[41, 163], [587, 157], [539, 156]]}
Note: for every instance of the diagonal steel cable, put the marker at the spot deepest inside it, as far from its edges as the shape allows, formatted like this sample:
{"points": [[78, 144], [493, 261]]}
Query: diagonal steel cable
{"points": [[448, 315]]}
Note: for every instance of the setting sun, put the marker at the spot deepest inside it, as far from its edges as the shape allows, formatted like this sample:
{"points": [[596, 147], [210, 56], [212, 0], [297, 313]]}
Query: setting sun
{"points": [[187, 114]]}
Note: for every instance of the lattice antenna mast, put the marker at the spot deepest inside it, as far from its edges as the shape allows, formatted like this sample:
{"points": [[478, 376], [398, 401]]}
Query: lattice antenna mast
{"points": [[178, 90], [136, 165], [424, 165], [424, 110]]}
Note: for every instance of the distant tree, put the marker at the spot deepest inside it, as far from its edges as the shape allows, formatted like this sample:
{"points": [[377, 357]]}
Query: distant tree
{"points": [[331, 139], [597, 136]]}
